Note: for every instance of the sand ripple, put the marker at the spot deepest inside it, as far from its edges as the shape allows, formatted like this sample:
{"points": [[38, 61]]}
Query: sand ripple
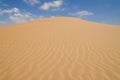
{"points": [[60, 60]]}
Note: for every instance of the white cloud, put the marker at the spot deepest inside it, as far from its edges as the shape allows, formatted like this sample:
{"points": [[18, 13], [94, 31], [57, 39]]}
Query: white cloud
{"points": [[32, 2], [15, 16], [53, 4], [9, 11], [82, 13], [21, 17]]}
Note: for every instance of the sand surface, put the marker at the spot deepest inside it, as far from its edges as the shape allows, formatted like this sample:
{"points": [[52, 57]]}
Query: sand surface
{"points": [[60, 48]]}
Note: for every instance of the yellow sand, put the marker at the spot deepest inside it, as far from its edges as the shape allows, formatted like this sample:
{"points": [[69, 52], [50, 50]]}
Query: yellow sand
{"points": [[60, 48]]}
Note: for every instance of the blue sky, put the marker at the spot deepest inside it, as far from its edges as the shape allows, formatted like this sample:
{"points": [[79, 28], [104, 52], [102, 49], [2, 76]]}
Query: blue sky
{"points": [[20, 11]]}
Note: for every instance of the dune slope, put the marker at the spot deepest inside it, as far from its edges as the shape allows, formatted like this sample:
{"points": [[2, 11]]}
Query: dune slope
{"points": [[60, 48]]}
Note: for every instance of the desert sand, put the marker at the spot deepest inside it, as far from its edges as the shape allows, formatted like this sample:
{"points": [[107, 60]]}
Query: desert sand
{"points": [[60, 48]]}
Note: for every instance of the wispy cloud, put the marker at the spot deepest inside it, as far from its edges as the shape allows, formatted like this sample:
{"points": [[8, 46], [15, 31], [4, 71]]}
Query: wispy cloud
{"points": [[32, 2], [51, 5], [60, 9], [82, 13], [5, 5]]}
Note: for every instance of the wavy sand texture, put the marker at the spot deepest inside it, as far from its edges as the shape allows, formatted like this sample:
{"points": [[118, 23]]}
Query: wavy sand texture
{"points": [[60, 48]]}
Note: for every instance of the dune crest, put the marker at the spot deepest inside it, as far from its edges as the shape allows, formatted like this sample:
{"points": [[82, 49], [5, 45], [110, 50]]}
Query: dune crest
{"points": [[60, 48]]}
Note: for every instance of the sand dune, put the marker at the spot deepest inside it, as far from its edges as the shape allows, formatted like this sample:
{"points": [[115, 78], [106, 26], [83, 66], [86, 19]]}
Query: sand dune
{"points": [[60, 48]]}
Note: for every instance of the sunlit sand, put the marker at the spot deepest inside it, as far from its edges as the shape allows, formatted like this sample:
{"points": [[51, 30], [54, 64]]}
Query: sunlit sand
{"points": [[60, 48]]}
